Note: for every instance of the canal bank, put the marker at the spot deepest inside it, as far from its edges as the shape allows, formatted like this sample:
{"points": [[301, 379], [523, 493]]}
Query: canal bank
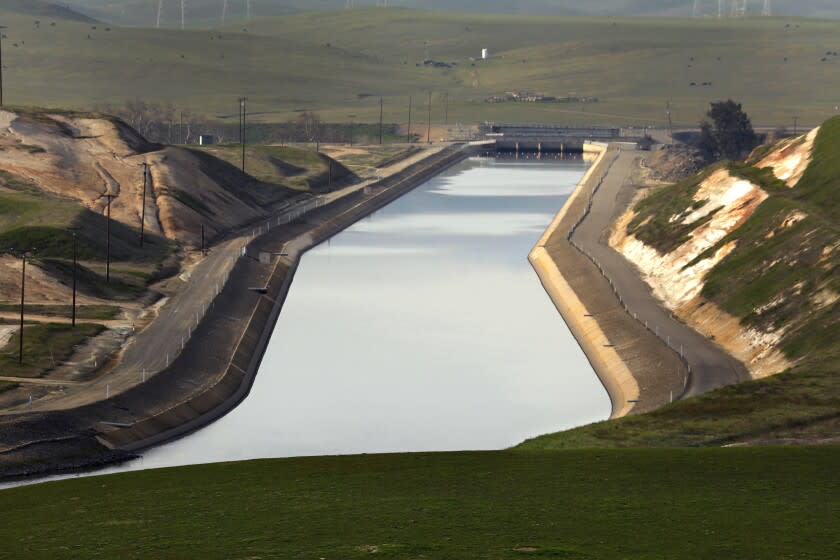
{"points": [[419, 328], [638, 370], [217, 367]]}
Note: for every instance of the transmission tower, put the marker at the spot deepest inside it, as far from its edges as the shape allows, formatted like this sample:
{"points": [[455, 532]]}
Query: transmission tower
{"points": [[248, 9], [696, 11], [160, 8], [767, 10], [182, 14], [224, 11]]}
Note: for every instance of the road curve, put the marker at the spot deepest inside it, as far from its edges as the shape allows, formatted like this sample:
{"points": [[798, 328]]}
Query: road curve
{"points": [[711, 366]]}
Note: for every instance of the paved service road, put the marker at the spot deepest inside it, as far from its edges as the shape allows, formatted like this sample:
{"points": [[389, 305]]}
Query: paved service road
{"points": [[157, 346], [711, 366]]}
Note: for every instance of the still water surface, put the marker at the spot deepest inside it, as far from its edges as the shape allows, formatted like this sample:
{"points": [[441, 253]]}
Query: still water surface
{"points": [[421, 328]]}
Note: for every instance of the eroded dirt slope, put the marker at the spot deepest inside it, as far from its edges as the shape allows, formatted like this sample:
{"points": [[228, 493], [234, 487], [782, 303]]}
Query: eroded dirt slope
{"points": [[86, 158], [741, 225]]}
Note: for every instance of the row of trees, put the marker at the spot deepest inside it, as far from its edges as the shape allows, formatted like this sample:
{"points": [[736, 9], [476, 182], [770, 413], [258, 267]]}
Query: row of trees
{"points": [[166, 124], [725, 133], [157, 122]]}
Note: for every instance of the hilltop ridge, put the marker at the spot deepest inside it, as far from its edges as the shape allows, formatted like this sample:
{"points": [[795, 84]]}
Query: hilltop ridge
{"points": [[44, 8]]}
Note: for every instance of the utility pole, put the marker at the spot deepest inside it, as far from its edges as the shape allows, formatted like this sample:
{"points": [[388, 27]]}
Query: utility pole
{"points": [[767, 10], [670, 122], [243, 105], [795, 125], [160, 8], [380, 120], [182, 14], [74, 280], [181, 129], [108, 241], [143, 209], [408, 135], [224, 11], [22, 299], [352, 126], [429, 126], [446, 109], [248, 9], [2, 27], [203, 252]]}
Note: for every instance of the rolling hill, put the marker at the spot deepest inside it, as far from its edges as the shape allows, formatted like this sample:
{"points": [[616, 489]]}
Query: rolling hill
{"points": [[339, 63]]}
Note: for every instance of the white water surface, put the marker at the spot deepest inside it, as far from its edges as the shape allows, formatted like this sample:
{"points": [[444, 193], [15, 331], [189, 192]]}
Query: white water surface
{"points": [[421, 328]]}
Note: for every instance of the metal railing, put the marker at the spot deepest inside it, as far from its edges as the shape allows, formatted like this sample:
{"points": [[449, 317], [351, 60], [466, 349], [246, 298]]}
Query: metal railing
{"points": [[634, 315]]}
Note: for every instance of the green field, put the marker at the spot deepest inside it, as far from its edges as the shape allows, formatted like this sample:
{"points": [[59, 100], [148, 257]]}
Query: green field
{"points": [[642, 504], [338, 63], [98, 312], [298, 168], [44, 347]]}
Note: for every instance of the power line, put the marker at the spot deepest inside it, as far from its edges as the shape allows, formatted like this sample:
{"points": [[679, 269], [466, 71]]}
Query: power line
{"points": [[381, 107], [408, 135], [429, 127]]}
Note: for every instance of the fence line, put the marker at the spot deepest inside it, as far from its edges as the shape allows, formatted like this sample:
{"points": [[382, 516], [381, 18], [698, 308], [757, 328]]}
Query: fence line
{"points": [[634, 315], [289, 214]]}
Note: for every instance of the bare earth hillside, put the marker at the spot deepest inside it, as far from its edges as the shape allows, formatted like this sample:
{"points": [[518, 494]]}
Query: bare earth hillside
{"points": [[58, 171], [678, 236], [86, 158]]}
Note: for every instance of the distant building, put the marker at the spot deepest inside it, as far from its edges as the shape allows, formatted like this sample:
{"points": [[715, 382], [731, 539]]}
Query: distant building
{"points": [[206, 140], [485, 54]]}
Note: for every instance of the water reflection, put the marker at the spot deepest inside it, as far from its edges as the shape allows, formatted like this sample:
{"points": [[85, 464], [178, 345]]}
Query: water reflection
{"points": [[420, 328]]}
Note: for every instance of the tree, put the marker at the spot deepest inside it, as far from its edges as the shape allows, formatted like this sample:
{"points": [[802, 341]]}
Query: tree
{"points": [[726, 132]]}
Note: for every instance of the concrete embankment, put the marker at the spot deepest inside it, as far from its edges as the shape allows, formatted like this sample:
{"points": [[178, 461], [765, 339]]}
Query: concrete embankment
{"points": [[611, 370], [638, 371], [236, 383], [217, 368]]}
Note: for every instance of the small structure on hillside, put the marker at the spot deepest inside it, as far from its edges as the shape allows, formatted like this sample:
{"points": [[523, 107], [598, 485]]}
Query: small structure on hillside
{"points": [[206, 140], [485, 54]]}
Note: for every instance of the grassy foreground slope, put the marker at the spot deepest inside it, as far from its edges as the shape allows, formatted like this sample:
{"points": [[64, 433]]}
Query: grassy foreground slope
{"points": [[781, 278], [640, 504], [340, 62]]}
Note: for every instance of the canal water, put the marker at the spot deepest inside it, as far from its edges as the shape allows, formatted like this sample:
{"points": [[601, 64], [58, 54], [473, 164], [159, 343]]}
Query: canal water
{"points": [[420, 328]]}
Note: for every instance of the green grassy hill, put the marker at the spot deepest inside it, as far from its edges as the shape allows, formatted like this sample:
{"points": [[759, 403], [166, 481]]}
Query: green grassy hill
{"points": [[780, 278], [338, 63], [582, 505]]}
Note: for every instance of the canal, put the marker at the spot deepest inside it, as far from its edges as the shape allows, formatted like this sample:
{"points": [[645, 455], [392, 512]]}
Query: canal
{"points": [[420, 328]]}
